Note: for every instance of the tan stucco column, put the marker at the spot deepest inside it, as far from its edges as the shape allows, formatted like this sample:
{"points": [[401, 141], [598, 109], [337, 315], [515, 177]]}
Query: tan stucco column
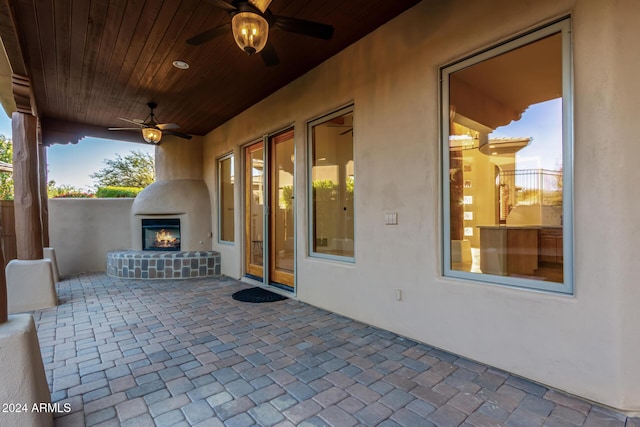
{"points": [[30, 281], [22, 370], [26, 187]]}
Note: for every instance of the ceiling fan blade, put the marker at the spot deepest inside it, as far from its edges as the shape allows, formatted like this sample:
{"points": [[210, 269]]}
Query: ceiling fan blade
{"points": [[166, 126], [135, 121], [269, 55], [221, 4], [301, 26], [261, 5], [124, 128], [178, 134], [211, 34]]}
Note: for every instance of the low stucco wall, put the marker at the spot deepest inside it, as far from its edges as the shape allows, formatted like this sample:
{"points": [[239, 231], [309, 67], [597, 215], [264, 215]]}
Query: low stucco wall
{"points": [[22, 371], [82, 231]]}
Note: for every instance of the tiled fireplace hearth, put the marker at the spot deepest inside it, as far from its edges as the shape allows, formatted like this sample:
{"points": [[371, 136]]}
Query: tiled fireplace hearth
{"points": [[163, 264]]}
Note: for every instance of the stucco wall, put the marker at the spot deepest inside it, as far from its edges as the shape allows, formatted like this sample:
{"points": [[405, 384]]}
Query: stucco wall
{"points": [[82, 231], [178, 158], [586, 344]]}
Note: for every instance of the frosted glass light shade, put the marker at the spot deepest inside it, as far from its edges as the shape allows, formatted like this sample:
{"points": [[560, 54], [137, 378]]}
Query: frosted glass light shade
{"points": [[250, 31], [152, 135]]}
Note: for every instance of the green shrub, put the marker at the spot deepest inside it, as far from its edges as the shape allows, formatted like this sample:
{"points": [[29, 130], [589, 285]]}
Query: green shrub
{"points": [[55, 191], [75, 195], [110, 192]]}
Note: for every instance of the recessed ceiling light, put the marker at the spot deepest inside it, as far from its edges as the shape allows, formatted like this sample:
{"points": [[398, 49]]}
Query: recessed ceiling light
{"points": [[180, 64]]}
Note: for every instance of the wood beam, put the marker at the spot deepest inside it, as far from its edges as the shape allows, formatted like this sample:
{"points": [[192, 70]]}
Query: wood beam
{"points": [[63, 132], [22, 94], [44, 196], [26, 186], [10, 38]]}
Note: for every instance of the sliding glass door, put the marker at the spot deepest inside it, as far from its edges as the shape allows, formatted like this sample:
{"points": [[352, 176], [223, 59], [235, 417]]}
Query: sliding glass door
{"points": [[269, 210]]}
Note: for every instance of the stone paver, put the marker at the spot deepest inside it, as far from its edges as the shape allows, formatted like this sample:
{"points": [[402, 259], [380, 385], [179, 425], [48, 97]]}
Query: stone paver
{"points": [[184, 353]]}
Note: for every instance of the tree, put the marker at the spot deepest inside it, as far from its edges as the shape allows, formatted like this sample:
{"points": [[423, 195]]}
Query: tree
{"points": [[6, 178], [135, 169]]}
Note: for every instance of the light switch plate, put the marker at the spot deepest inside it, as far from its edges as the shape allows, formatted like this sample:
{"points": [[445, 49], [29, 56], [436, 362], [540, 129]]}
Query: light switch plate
{"points": [[391, 218]]}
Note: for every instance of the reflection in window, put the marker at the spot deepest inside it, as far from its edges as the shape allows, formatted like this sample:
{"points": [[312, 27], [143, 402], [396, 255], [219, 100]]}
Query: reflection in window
{"points": [[504, 155], [225, 201], [255, 207], [332, 185]]}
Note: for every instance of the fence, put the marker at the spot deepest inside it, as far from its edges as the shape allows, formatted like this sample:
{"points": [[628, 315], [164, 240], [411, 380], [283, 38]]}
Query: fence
{"points": [[529, 187], [7, 231]]}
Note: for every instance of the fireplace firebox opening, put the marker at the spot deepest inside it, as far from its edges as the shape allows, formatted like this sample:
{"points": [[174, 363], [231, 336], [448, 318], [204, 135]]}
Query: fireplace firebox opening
{"points": [[161, 234]]}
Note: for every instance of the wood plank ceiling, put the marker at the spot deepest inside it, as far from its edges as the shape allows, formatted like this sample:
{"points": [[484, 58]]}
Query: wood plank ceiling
{"points": [[92, 61]]}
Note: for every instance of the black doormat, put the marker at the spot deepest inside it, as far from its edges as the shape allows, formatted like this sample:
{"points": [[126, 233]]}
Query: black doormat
{"points": [[257, 295]]}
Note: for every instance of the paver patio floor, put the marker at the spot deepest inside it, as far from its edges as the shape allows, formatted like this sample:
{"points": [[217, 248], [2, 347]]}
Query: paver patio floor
{"points": [[183, 353]]}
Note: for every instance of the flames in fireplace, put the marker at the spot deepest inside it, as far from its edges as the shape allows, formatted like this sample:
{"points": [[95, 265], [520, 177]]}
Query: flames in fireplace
{"points": [[164, 239], [162, 234]]}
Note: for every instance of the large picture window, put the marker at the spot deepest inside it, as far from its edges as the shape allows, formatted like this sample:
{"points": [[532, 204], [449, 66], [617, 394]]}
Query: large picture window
{"points": [[226, 211], [332, 180], [507, 177]]}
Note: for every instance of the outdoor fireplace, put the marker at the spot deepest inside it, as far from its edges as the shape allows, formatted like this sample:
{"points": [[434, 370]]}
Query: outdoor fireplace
{"points": [[170, 223], [161, 234], [179, 207]]}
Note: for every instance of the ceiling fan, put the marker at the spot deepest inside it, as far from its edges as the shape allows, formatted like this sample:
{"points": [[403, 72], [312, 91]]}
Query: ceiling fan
{"points": [[250, 23], [152, 131]]}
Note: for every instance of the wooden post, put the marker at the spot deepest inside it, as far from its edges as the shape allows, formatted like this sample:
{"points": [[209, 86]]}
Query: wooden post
{"points": [[4, 309], [3, 290], [44, 196], [8, 231], [26, 194]]}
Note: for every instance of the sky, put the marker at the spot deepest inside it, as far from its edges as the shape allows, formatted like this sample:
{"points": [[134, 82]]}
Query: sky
{"points": [[72, 164], [543, 123]]}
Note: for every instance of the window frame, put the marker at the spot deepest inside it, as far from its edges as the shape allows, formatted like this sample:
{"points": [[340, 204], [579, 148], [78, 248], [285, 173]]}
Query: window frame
{"points": [[562, 26], [219, 160], [310, 217]]}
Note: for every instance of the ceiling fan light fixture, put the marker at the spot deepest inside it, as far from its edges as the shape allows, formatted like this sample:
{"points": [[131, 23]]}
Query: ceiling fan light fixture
{"points": [[250, 31], [152, 135]]}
